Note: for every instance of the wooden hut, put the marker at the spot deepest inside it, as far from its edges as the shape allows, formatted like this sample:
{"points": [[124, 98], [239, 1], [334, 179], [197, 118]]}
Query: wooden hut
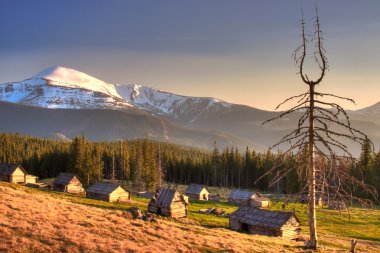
{"points": [[68, 182], [264, 222], [30, 179], [197, 192], [169, 202], [12, 173], [246, 198], [108, 192]]}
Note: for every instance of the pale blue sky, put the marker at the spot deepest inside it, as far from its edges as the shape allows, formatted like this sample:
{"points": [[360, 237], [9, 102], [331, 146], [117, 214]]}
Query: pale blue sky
{"points": [[238, 51]]}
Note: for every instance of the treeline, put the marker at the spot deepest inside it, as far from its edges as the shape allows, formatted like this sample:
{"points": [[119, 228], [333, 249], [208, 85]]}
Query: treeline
{"points": [[148, 163]]}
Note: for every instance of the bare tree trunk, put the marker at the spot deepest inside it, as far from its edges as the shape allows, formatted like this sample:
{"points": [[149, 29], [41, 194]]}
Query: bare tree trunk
{"points": [[313, 243], [353, 246]]}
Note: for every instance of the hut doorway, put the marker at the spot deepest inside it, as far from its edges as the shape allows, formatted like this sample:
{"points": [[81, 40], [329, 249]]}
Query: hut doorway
{"points": [[244, 227], [204, 197], [158, 210]]}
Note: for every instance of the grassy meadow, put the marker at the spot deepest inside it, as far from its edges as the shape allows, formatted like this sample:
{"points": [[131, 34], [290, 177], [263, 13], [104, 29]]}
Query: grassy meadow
{"points": [[335, 229]]}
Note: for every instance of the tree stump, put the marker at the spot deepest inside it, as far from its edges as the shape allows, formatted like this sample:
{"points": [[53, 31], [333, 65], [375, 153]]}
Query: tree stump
{"points": [[136, 212], [353, 245]]}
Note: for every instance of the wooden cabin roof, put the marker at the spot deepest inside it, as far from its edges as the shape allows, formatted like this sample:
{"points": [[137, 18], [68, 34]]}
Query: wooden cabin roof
{"points": [[261, 217], [166, 196], [258, 197], [246, 195], [31, 176], [241, 195], [196, 189], [104, 188], [9, 169], [64, 178]]}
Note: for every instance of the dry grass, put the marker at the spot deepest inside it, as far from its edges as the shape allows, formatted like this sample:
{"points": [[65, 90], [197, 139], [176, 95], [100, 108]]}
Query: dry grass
{"points": [[35, 221]]}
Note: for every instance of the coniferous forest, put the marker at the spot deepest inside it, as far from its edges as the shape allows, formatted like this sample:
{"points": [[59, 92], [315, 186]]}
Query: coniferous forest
{"points": [[146, 163]]}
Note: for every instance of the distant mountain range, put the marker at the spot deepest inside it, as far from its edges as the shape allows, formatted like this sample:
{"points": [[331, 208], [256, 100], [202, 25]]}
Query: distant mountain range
{"points": [[62, 103]]}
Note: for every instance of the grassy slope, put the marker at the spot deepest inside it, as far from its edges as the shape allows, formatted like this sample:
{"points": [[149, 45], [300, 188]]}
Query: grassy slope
{"points": [[106, 224]]}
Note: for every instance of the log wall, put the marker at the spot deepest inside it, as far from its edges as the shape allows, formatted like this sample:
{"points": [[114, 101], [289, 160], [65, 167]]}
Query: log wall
{"points": [[119, 196], [92, 195]]}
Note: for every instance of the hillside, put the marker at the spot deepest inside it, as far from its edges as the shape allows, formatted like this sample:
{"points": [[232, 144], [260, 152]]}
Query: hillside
{"points": [[102, 124], [39, 221], [109, 112]]}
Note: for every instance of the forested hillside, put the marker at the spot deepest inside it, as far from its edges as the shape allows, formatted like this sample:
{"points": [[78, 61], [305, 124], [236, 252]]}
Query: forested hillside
{"points": [[143, 161]]}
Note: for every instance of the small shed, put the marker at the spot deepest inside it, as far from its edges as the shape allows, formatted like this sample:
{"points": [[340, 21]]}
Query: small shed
{"points": [[197, 192], [30, 179], [246, 198], [68, 182], [108, 192], [169, 202], [264, 222], [12, 173]]}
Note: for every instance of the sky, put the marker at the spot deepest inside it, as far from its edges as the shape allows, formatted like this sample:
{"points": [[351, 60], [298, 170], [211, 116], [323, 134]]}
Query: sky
{"points": [[239, 51]]}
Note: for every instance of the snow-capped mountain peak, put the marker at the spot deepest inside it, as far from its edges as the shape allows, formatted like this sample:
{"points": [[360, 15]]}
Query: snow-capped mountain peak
{"points": [[71, 78], [60, 87]]}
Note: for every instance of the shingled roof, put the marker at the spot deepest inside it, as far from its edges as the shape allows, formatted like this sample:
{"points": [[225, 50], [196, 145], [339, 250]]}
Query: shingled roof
{"points": [[103, 188], [8, 169], [242, 195], [165, 197], [263, 218], [196, 189], [64, 178]]}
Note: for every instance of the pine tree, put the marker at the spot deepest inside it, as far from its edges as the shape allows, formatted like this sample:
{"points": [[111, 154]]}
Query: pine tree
{"points": [[215, 163], [366, 161], [160, 173]]}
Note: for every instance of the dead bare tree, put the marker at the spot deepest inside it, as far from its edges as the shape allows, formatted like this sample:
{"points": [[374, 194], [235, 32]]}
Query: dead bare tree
{"points": [[323, 129]]}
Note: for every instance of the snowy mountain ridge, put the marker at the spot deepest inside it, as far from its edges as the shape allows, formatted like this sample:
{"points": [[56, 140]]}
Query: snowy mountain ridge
{"points": [[60, 87], [162, 102]]}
